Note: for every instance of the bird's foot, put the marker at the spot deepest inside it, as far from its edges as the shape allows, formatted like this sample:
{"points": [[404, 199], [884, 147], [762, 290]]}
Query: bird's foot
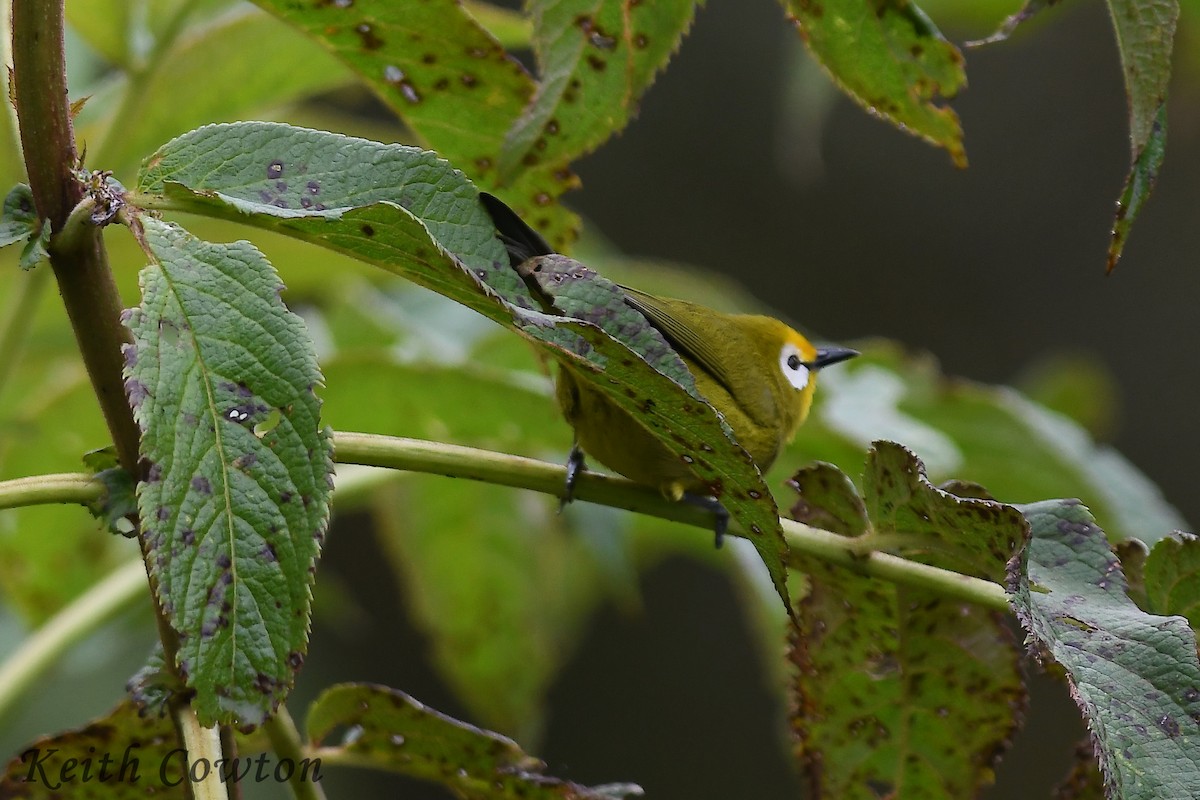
{"points": [[719, 512], [575, 465]]}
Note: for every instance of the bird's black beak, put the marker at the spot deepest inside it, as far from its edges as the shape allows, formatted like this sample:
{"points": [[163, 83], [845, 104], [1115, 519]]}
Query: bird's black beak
{"points": [[831, 355]]}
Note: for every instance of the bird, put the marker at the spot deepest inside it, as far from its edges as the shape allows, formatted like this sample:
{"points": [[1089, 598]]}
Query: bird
{"points": [[758, 372]]}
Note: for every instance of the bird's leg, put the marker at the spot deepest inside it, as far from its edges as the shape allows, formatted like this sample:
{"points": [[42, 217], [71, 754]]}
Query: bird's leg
{"points": [[719, 512], [575, 465]]}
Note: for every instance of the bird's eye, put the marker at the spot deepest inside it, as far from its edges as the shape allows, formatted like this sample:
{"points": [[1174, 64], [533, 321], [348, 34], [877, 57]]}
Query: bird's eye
{"points": [[793, 366]]}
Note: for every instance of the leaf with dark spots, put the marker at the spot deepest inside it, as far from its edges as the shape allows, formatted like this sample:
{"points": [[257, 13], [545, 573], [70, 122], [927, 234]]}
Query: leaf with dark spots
{"points": [[202, 557], [137, 747], [403, 195], [454, 86], [864, 650], [597, 59], [828, 500], [1135, 676], [891, 59], [395, 732]]}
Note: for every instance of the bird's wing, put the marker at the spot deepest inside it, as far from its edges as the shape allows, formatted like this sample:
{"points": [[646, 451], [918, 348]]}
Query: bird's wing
{"points": [[521, 241], [691, 333]]}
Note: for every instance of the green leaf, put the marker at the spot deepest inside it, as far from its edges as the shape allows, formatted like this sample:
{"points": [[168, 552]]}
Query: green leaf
{"points": [[232, 518], [377, 202], [1135, 676], [390, 730], [897, 691], [1145, 34], [452, 83], [911, 515], [18, 219], [126, 754], [1142, 175], [235, 66], [117, 507], [35, 251], [891, 59], [826, 499], [142, 752], [597, 58], [1172, 577], [437, 235]]}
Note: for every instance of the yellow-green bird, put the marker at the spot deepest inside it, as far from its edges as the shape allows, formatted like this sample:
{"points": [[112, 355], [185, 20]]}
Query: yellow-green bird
{"points": [[758, 372]]}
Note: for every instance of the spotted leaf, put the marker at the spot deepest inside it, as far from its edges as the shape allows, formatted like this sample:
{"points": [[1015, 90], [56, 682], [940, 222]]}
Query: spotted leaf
{"points": [[1135, 676], [234, 497], [390, 730]]}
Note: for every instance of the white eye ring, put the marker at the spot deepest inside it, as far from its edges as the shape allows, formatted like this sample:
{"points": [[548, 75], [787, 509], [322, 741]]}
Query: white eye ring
{"points": [[792, 364]]}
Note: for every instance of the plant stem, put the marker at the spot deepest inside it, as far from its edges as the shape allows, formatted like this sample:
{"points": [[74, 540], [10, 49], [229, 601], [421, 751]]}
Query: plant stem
{"points": [[200, 743], [36, 490], [81, 618], [286, 742], [526, 473], [80, 263]]}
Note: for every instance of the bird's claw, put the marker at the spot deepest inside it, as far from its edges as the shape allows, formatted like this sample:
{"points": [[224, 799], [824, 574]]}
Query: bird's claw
{"points": [[575, 465], [719, 512]]}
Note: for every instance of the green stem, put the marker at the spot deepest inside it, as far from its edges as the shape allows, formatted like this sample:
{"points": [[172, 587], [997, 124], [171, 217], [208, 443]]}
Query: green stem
{"points": [[286, 742], [201, 743], [18, 320], [69, 487], [99, 604], [526, 473]]}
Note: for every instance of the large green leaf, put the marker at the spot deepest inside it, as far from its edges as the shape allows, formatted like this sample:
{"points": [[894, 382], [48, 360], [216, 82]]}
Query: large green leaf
{"points": [[597, 58], [1134, 675], [391, 730], [899, 692], [235, 497], [451, 82], [425, 225], [889, 57]]}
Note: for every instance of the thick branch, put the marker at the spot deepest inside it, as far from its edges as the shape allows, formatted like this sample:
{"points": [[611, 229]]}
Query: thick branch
{"points": [[80, 262]]}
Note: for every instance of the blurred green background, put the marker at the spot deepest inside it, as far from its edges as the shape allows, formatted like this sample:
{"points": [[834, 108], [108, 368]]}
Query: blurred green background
{"points": [[746, 163]]}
